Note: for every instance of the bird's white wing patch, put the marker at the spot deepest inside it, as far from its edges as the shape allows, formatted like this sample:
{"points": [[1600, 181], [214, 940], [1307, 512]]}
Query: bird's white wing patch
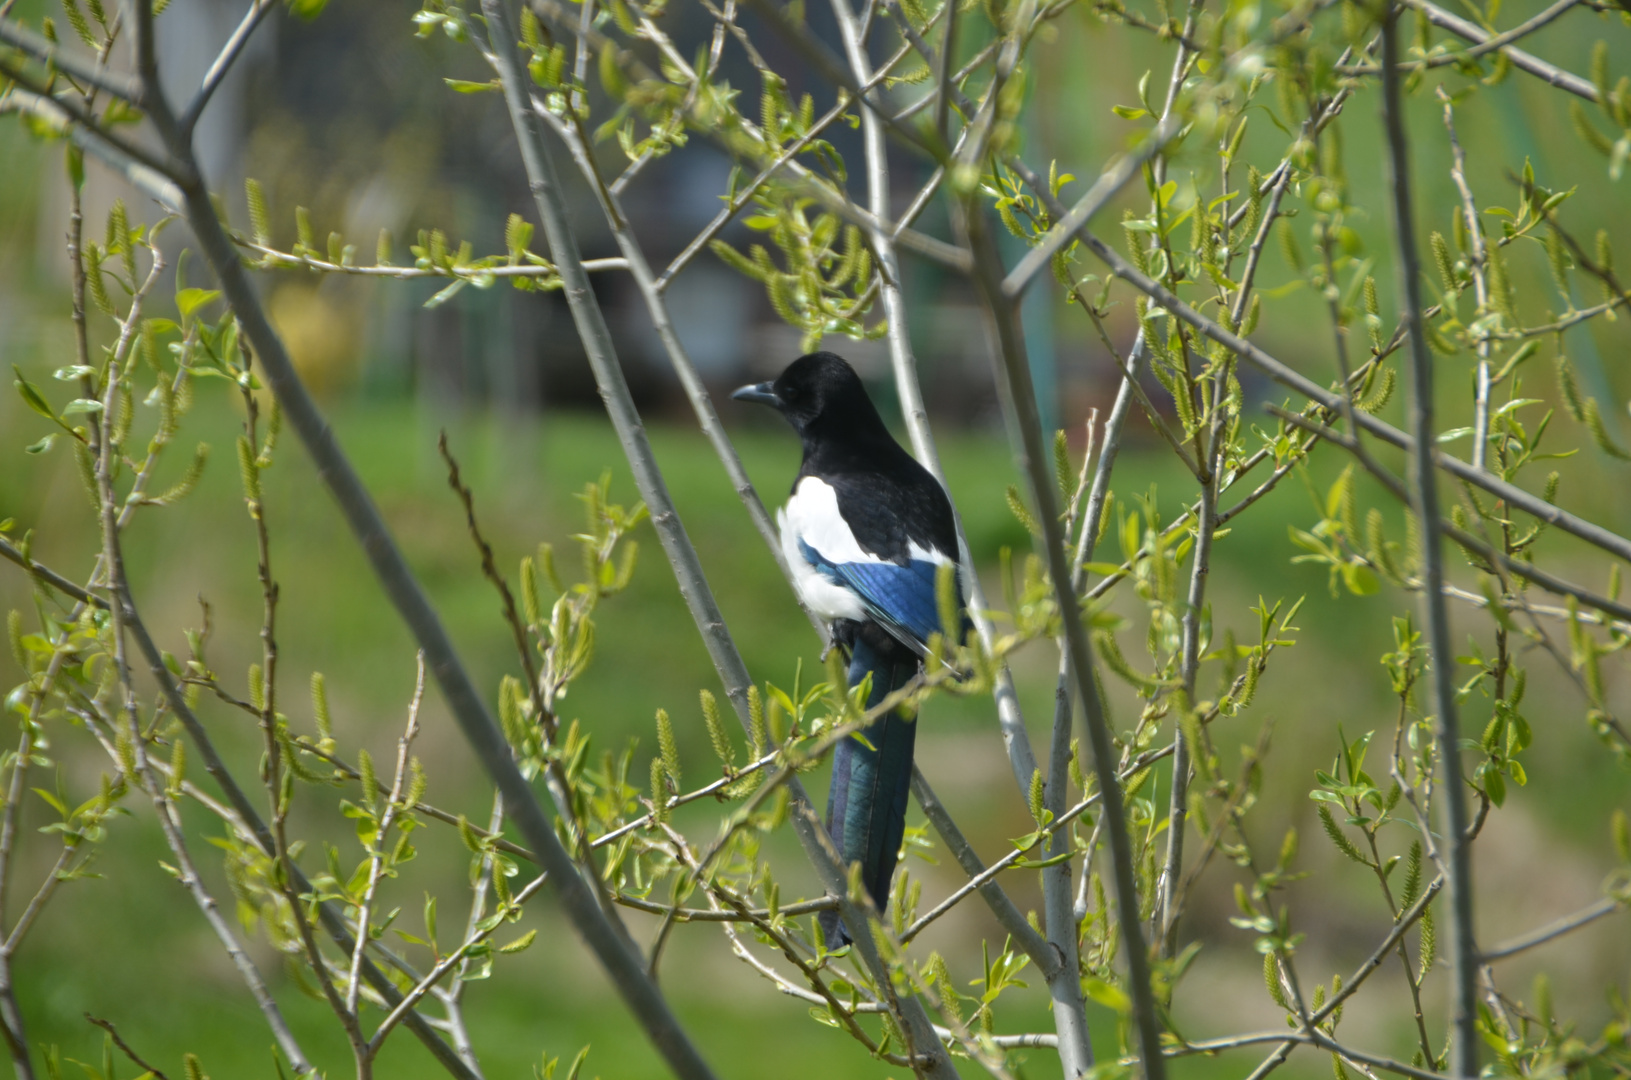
{"points": [[919, 553], [826, 599], [812, 515]]}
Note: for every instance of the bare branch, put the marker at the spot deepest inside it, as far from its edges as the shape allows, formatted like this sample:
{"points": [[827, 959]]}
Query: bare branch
{"points": [[52, 55], [1517, 567], [281, 259], [440, 971], [1464, 1042], [1550, 74], [1110, 181], [1488, 45], [1554, 930], [1588, 531], [137, 164], [124, 1047], [223, 64], [982, 879], [1019, 401]]}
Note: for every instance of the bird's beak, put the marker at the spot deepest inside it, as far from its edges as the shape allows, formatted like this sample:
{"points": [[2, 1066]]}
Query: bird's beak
{"points": [[759, 392]]}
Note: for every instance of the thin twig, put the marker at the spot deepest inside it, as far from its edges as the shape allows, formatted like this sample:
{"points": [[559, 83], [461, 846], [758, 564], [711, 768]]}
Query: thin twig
{"points": [[1554, 930], [1019, 402], [696, 390], [223, 64], [42, 895], [249, 823], [1464, 1042], [830, 68], [676, 545], [124, 1047], [376, 857], [464, 701], [1488, 45], [685, 914], [982, 879], [288, 259], [1589, 531], [52, 55], [804, 180], [447, 964], [69, 113], [1497, 559], [489, 569], [1548, 73], [168, 818], [1351, 985], [1114, 177]]}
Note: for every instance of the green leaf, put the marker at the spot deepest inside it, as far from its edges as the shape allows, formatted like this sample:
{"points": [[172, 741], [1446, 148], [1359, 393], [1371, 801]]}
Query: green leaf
{"points": [[55, 803], [1338, 838], [1043, 864], [465, 86], [519, 944], [668, 750], [716, 730], [190, 300], [76, 167], [32, 396], [1360, 579], [517, 234], [448, 293], [1016, 504], [1108, 995], [259, 220], [611, 76]]}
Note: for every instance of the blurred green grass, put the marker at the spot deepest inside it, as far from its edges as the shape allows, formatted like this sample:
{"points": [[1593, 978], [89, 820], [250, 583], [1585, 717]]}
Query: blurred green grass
{"points": [[169, 987]]}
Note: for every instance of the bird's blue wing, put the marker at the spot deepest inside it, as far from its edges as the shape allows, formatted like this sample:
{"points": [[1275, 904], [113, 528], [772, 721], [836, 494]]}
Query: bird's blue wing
{"points": [[901, 598]]}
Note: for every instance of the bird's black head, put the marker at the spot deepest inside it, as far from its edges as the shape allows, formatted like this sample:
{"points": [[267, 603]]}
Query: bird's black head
{"points": [[819, 394]]}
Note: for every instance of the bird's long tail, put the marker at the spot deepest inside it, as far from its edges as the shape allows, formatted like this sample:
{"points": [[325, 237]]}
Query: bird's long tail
{"points": [[866, 806]]}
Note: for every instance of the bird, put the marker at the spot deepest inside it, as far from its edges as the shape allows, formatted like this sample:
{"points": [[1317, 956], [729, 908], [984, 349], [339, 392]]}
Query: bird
{"points": [[865, 531]]}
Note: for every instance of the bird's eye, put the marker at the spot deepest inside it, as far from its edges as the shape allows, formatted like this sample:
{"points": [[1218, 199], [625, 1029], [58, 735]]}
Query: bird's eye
{"points": [[791, 393]]}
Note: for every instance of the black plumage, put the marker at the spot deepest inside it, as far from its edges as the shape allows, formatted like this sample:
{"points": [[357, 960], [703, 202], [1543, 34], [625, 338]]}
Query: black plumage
{"points": [[887, 498]]}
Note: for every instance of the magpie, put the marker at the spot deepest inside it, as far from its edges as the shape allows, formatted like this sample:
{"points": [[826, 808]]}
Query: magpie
{"points": [[864, 532]]}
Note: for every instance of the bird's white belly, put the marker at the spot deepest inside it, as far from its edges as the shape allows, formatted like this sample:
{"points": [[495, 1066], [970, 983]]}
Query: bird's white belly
{"points": [[825, 599]]}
